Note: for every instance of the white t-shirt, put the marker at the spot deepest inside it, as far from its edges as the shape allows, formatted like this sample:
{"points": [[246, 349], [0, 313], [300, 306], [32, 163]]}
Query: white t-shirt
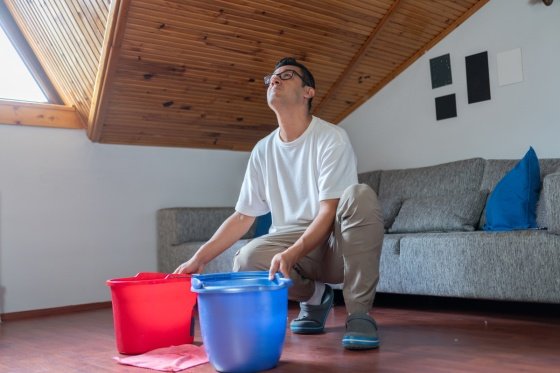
{"points": [[291, 178]]}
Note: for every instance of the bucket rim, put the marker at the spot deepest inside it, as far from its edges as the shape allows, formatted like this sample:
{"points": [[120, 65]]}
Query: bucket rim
{"points": [[206, 283], [149, 278]]}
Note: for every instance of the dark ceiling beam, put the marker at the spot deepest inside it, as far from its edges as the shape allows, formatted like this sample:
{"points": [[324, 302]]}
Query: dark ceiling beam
{"points": [[357, 57], [116, 25]]}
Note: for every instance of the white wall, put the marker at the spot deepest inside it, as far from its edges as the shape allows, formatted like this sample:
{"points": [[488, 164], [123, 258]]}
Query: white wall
{"points": [[74, 214], [397, 127]]}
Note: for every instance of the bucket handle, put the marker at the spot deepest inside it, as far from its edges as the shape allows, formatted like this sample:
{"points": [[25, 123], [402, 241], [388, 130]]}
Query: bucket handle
{"points": [[281, 280], [196, 283]]}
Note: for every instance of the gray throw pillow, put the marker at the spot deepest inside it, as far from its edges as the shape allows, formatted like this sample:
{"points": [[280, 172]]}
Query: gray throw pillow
{"points": [[390, 208], [456, 212]]}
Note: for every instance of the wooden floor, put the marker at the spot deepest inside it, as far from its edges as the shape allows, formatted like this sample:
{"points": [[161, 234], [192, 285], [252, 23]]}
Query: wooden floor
{"points": [[429, 336]]}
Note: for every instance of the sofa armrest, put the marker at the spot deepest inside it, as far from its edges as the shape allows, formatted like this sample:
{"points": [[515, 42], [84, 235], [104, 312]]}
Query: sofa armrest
{"points": [[551, 195]]}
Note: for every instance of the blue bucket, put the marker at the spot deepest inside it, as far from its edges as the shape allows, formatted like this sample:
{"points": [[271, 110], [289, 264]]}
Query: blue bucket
{"points": [[243, 319]]}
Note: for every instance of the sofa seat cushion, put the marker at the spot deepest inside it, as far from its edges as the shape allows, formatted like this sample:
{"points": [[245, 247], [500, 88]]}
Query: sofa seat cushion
{"points": [[453, 212], [515, 265], [389, 267]]}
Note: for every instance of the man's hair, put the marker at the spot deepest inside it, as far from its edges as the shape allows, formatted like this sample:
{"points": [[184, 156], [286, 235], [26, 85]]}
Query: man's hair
{"points": [[307, 76]]}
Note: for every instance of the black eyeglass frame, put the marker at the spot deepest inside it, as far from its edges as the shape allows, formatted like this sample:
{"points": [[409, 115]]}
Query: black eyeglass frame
{"points": [[268, 78]]}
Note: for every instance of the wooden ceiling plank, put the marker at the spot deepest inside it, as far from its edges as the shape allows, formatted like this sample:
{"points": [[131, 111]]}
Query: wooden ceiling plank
{"points": [[39, 114], [71, 39], [325, 19], [51, 34], [455, 5], [246, 115], [172, 39], [98, 13], [191, 128], [442, 15], [226, 115], [235, 23], [240, 138], [435, 9], [203, 57], [78, 35], [215, 81], [333, 10], [84, 22], [285, 15], [174, 142], [410, 31], [38, 44], [62, 59]]}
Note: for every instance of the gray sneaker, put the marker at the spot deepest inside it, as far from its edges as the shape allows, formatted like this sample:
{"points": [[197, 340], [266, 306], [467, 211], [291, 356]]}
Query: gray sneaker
{"points": [[311, 319], [361, 332]]}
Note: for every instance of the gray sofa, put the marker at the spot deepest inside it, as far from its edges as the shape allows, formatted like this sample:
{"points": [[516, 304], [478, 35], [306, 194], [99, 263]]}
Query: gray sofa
{"points": [[433, 244]]}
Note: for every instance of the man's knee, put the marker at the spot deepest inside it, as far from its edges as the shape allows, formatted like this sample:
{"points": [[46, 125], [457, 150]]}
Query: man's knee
{"points": [[361, 200], [248, 258], [242, 261]]}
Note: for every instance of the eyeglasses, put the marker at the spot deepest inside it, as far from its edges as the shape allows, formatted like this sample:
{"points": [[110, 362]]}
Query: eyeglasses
{"points": [[284, 75]]}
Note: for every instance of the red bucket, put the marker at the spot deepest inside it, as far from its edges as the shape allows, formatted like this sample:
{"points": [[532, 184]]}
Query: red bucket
{"points": [[152, 310]]}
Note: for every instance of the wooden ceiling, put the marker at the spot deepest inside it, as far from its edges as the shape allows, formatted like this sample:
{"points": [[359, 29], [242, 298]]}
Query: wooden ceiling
{"points": [[189, 73]]}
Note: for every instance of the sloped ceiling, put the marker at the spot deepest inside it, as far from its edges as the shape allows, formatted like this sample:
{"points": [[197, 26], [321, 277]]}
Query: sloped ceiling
{"points": [[189, 73]]}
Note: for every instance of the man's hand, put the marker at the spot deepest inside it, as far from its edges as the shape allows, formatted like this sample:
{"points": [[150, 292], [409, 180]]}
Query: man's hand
{"points": [[231, 230], [282, 262], [316, 233], [193, 265]]}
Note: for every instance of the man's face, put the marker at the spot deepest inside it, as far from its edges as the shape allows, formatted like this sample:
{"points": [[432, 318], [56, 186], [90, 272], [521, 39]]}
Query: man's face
{"points": [[286, 92]]}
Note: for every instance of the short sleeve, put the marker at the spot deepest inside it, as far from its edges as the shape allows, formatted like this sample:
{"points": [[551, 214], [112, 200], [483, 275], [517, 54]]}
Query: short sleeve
{"points": [[337, 168], [252, 197]]}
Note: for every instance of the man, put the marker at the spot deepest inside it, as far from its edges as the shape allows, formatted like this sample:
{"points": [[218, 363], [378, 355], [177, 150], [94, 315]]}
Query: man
{"points": [[325, 229]]}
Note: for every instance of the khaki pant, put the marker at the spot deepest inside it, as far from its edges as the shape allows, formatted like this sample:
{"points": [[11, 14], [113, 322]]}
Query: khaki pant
{"points": [[349, 256]]}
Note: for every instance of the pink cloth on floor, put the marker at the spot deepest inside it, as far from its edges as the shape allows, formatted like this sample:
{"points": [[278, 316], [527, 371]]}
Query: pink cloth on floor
{"points": [[169, 359]]}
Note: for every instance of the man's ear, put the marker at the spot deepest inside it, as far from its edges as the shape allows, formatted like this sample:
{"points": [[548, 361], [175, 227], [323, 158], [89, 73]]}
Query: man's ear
{"points": [[309, 92]]}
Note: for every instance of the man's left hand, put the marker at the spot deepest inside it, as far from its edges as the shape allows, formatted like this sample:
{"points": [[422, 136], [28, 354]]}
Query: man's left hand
{"points": [[283, 263]]}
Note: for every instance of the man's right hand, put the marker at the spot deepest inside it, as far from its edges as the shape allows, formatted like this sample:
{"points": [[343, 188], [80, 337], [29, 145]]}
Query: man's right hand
{"points": [[193, 265], [231, 230]]}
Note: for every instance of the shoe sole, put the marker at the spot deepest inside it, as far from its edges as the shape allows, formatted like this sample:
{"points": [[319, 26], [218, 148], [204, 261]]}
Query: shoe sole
{"points": [[307, 330], [354, 343]]}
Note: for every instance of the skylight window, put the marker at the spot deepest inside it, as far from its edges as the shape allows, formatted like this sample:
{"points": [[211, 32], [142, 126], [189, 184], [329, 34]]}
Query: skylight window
{"points": [[17, 81]]}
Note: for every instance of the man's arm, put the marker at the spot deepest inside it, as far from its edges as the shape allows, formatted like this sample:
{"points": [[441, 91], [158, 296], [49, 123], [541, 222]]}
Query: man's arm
{"points": [[315, 234], [231, 230]]}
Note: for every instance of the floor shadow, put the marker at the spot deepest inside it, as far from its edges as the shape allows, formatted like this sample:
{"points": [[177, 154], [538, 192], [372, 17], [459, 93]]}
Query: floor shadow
{"points": [[506, 309]]}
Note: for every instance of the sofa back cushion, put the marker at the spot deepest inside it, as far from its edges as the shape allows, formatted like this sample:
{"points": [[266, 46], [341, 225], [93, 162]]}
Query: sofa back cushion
{"points": [[370, 178], [439, 180], [192, 224], [452, 212]]}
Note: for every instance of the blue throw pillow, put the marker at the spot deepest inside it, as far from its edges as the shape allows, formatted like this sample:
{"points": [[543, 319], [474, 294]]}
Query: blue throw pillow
{"points": [[513, 202], [263, 225]]}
